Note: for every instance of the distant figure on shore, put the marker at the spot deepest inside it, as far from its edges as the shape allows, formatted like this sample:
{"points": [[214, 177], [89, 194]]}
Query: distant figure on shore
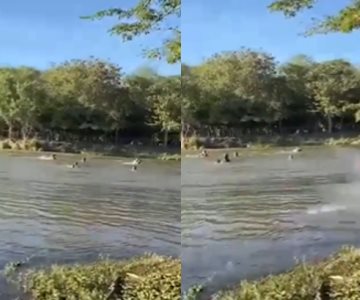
{"points": [[226, 157], [236, 154], [48, 157], [297, 150], [204, 153], [290, 157]]}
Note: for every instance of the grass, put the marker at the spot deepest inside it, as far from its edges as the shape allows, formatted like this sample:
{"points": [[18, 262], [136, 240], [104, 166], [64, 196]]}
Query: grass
{"points": [[150, 277], [193, 293], [336, 278]]}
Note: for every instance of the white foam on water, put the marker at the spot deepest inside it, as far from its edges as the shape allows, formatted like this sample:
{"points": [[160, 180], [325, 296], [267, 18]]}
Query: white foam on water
{"points": [[325, 209]]}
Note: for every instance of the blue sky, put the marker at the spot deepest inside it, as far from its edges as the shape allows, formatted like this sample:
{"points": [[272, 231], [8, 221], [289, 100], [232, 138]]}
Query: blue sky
{"points": [[40, 32], [211, 26]]}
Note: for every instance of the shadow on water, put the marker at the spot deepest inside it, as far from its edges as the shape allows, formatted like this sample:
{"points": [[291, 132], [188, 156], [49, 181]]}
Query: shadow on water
{"points": [[257, 214], [58, 215]]}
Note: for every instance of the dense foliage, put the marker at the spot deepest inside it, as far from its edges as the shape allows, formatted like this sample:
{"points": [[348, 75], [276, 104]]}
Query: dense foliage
{"points": [[336, 278], [247, 92], [345, 20], [87, 98], [145, 278], [147, 17]]}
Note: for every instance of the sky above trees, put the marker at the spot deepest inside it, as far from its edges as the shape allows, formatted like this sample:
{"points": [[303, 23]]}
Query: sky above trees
{"points": [[38, 33], [210, 26]]}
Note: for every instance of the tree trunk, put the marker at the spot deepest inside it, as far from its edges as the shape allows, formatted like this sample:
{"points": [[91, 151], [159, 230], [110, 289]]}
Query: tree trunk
{"points": [[10, 131], [116, 136], [166, 137], [280, 126], [330, 124], [182, 139]]}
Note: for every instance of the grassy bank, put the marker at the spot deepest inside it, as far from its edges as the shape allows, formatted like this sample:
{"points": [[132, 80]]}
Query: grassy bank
{"points": [[145, 278], [34, 145], [263, 142], [336, 278]]}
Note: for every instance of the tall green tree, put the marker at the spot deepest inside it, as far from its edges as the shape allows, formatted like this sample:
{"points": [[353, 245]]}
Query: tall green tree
{"points": [[85, 89], [331, 83], [165, 99], [21, 98], [345, 20], [146, 17]]}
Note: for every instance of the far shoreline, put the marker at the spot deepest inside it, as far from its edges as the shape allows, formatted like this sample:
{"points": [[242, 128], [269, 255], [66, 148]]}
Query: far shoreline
{"points": [[196, 143], [33, 146]]}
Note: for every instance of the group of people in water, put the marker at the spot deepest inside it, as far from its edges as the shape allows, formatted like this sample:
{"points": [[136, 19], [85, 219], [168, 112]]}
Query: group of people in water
{"points": [[226, 157], [74, 165], [134, 164]]}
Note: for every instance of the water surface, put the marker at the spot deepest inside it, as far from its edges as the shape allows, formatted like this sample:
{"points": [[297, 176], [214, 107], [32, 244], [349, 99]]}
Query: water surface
{"points": [[255, 215], [50, 213]]}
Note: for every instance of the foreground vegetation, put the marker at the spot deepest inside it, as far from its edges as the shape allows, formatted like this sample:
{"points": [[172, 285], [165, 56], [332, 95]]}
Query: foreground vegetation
{"points": [[336, 278], [145, 278]]}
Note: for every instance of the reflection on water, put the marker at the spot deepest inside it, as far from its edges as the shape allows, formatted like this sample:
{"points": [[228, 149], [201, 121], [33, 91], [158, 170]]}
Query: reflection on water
{"points": [[253, 216], [55, 214]]}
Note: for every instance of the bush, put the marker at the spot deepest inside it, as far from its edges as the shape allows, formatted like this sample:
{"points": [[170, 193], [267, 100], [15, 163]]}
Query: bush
{"points": [[192, 142], [337, 278], [146, 278], [5, 145]]}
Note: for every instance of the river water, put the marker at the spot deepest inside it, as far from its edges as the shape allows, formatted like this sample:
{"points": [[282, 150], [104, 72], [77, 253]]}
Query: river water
{"points": [[261, 212], [52, 214]]}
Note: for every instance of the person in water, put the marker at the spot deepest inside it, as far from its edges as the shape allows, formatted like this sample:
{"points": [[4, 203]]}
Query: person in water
{"points": [[226, 157], [291, 157], [236, 154], [54, 156], [204, 153], [134, 168], [83, 160]]}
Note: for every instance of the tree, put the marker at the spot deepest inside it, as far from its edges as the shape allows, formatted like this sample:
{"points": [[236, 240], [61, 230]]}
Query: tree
{"points": [[241, 79], [346, 20], [21, 96], [300, 104], [85, 89], [331, 83], [165, 99], [146, 17]]}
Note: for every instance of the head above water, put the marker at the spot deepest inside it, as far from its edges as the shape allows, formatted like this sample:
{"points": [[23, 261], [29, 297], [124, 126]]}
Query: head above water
{"points": [[54, 156], [226, 157]]}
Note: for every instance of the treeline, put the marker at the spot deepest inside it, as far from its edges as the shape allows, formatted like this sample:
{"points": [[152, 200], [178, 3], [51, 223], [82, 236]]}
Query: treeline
{"points": [[248, 92], [88, 99]]}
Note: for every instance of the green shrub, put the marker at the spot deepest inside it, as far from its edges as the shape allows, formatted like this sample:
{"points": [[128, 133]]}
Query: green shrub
{"points": [[192, 142], [146, 278], [5, 145], [337, 278]]}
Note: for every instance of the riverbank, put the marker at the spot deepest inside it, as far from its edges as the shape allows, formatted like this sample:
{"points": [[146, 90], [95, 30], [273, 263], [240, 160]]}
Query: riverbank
{"points": [[140, 151], [335, 278], [261, 142], [145, 278]]}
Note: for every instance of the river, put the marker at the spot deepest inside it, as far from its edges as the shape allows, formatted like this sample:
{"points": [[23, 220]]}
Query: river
{"points": [[52, 214], [261, 212]]}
